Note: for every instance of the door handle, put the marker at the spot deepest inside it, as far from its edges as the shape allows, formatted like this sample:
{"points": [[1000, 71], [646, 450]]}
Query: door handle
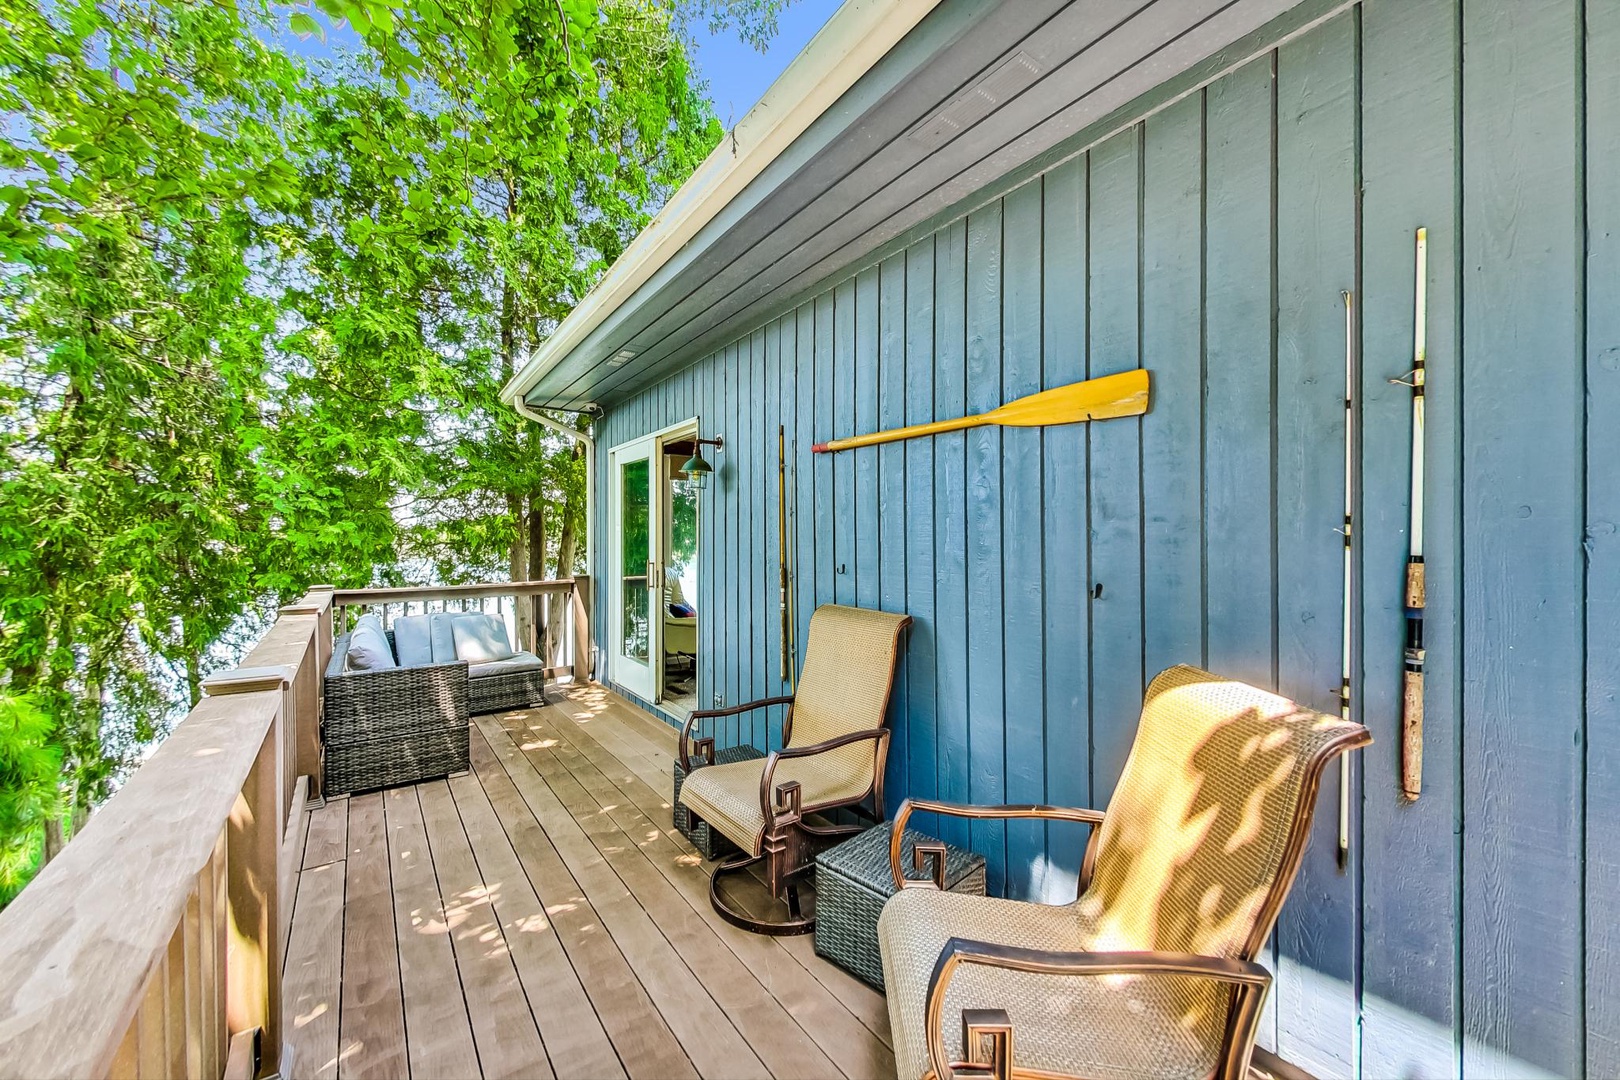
{"points": [[654, 572]]}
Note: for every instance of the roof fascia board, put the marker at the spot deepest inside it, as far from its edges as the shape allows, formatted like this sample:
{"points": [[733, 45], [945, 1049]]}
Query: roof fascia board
{"points": [[855, 41]]}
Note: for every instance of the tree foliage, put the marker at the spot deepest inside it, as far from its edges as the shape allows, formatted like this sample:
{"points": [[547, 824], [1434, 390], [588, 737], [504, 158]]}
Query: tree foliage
{"points": [[255, 314]]}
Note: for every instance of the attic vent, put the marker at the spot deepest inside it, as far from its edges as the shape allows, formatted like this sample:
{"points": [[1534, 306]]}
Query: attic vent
{"points": [[621, 358], [978, 101]]}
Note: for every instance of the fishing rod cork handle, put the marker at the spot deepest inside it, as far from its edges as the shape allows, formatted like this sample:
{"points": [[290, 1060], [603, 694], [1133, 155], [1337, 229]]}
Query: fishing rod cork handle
{"points": [[1416, 591], [1412, 736]]}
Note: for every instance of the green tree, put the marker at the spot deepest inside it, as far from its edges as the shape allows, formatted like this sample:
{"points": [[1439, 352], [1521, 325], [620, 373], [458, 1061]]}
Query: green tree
{"points": [[457, 213], [139, 138]]}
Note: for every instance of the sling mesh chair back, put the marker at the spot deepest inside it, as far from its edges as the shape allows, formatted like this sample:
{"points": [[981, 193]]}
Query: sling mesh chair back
{"points": [[833, 755], [1150, 972]]}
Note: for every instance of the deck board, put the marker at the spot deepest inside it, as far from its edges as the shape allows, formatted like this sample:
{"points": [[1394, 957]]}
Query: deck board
{"points": [[573, 1036], [765, 991], [371, 1019], [645, 1046], [438, 1031], [852, 998], [504, 1028], [540, 916]]}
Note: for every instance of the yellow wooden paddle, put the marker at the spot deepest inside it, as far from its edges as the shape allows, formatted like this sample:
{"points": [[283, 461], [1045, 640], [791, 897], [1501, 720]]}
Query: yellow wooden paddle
{"points": [[1125, 394]]}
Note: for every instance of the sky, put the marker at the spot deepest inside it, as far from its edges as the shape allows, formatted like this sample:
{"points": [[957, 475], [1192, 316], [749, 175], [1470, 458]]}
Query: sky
{"points": [[736, 73], [738, 76]]}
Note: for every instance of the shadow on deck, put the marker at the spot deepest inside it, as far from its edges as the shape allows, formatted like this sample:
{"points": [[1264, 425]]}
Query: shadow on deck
{"points": [[540, 916]]}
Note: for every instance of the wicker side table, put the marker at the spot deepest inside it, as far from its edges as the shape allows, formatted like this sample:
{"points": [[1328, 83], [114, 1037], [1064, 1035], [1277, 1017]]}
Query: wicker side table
{"points": [[707, 840], [853, 881]]}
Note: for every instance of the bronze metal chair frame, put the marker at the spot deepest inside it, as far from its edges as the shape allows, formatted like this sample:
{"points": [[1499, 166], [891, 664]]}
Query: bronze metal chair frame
{"points": [[988, 1033], [790, 842]]}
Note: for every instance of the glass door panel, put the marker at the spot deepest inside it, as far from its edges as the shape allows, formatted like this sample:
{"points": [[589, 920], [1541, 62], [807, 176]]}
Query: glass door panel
{"points": [[636, 524]]}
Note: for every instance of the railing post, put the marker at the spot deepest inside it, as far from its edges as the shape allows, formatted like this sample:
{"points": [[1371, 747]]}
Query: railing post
{"points": [[253, 844], [581, 595]]}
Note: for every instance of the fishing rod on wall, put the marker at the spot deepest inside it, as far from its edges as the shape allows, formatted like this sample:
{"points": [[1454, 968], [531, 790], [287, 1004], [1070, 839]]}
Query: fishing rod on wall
{"points": [[1416, 588], [784, 559], [1349, 565]]}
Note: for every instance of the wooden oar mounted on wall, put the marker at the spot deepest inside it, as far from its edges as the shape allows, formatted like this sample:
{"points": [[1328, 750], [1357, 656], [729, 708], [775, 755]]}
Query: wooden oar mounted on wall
{"points": [[1125, 394]]}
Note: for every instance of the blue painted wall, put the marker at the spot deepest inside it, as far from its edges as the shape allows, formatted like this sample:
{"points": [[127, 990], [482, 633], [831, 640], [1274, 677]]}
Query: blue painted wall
{"points": [[1051, 572]]}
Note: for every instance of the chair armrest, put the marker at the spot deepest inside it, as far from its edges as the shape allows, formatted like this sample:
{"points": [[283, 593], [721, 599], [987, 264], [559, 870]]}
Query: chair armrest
{"points": [[705, 746], [768, 805], [1250, 981], [1033, 810]]}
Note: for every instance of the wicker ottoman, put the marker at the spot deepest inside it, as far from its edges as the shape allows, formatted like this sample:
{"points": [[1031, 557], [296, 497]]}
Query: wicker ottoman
{"points": [[694, 828], [853, 880]]}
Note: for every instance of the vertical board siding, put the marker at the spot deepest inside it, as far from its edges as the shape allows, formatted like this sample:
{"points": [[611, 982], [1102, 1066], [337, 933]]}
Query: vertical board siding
{"points": [[1064, 501], [950, 528], [921, 769], [1315, 245], [1115, 456], [892, 527], [1602, 539], [1023, 644], [1522, 508], [986, 676], [1410, 911], [1051, 572]]}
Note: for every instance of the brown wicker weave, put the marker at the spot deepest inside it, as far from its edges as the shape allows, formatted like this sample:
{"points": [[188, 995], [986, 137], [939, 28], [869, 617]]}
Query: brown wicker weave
{"points": [[394, 726], [508, 690], [1150, 973]]}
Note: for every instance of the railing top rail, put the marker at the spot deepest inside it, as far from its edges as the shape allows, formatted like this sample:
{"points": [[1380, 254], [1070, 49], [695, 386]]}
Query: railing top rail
{"points": [[79, 943], [450, 592]]}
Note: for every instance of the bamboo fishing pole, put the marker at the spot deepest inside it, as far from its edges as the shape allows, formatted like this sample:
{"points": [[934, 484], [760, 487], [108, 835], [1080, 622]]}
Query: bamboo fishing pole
{"points": [[1124, 394], [1349, 566], [1416, 591]]}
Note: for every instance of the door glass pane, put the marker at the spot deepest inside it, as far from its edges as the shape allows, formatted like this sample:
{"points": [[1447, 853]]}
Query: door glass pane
{"points": [[635, 486]]}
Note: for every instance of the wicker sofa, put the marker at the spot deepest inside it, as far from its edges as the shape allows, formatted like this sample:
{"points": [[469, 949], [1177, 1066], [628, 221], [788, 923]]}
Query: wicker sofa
{"points": [[395, 726], [402, 724]]}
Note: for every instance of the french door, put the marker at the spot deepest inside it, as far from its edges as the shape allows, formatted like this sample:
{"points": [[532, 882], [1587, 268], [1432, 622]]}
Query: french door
{"points": [[636, 570]]}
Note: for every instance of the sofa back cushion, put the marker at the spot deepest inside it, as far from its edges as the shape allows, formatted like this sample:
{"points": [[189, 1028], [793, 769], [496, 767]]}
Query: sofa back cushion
{"points": [[412, 641], [443, 641], [480, 638], [368, 646]]}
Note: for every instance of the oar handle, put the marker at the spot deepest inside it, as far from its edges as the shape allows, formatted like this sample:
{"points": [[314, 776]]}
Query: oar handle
{"points": [[937, 427]]}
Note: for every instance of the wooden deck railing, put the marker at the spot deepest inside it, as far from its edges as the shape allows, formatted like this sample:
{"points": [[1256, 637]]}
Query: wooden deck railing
{"points": [[153, 945], [545, 637]]}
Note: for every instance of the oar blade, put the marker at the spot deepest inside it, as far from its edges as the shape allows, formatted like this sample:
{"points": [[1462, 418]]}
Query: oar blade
{"points": [[1103, 398]]}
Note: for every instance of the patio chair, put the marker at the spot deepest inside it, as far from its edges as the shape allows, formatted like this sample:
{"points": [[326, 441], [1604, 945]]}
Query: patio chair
{"points": [[1150, 972], [834, 749]]}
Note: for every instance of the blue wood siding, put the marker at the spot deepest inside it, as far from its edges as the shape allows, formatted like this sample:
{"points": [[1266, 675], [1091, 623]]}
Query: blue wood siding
{"points": [[1053, 571]]}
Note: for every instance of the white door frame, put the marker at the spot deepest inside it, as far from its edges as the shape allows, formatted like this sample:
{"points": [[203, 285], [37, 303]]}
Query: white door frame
{"points": [[644, 680]]}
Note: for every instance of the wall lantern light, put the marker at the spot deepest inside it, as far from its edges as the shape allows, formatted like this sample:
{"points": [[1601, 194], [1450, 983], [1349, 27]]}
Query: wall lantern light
{"points": [[696, 468]]}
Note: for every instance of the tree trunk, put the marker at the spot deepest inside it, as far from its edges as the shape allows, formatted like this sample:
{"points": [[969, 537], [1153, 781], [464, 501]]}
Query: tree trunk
{"points": [[518, 569], [559, 613], [537, 570], [55, 840]]}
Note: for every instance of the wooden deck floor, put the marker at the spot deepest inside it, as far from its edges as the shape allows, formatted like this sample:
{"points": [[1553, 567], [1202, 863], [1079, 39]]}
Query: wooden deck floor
{"points": [[541, 917]]}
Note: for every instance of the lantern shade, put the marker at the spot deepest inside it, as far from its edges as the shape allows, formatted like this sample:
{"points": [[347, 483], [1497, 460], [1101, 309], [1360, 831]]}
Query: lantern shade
{"points": [[696, 469]]}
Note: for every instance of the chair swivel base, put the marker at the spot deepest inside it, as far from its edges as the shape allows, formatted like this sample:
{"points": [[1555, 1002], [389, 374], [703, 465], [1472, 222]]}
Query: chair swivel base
{"points": [[800, 918]]}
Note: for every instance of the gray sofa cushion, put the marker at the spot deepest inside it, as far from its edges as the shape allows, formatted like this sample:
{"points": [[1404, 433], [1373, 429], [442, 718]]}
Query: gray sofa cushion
{"points": [[480, 638], [444, 642], [523, 661], [412, 641], [368, 646]]}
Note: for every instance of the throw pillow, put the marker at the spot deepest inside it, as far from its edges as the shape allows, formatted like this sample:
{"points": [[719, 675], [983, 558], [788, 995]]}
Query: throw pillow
{"points": [[480, 638], [368, 646], [412, 641], [444, 642]]}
